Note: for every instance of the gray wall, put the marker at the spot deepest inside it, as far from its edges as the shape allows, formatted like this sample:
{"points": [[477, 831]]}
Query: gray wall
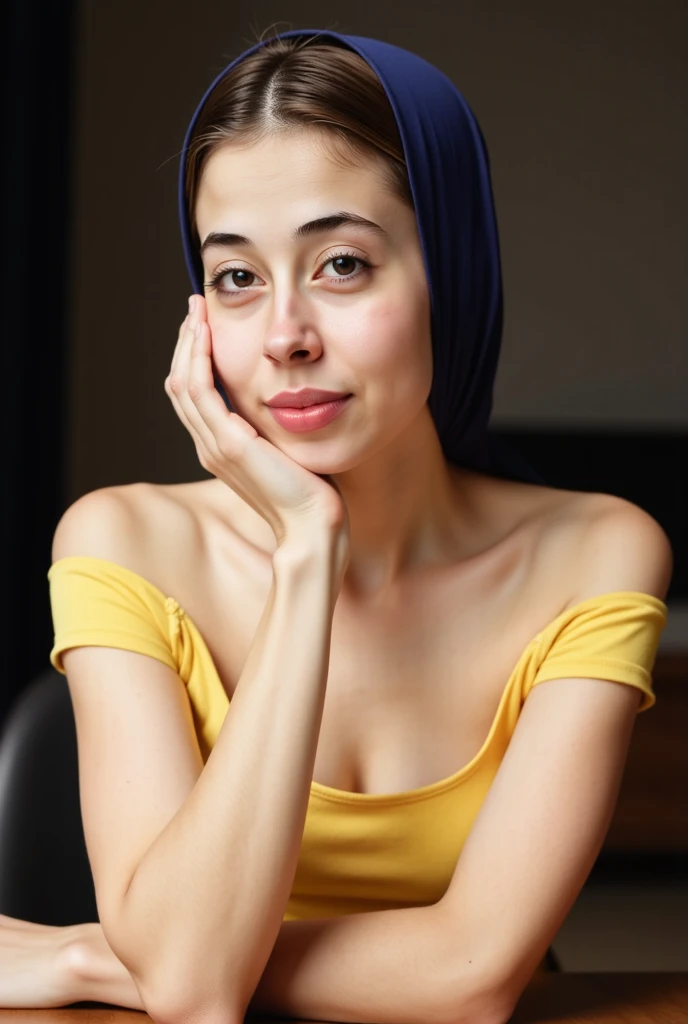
{"points": [[583, 107]]}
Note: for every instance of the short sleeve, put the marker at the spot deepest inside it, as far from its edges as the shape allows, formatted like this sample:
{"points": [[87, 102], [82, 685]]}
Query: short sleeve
{"points": [[98, 603], [612, 636]]}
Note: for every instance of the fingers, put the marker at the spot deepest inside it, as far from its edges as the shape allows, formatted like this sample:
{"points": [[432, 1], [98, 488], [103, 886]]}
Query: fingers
{"points": [[201, 385], [191, 388], [177, 382]]}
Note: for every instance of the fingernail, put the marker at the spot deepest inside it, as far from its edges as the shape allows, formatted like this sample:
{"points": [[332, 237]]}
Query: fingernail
{"points": [[192, 303]]}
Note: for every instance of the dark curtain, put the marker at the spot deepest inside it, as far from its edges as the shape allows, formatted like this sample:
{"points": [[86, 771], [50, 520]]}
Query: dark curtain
{"points": [[37, 45]]}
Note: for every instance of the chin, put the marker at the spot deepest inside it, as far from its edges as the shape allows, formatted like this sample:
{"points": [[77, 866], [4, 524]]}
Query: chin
{"points": [[322, 463]]}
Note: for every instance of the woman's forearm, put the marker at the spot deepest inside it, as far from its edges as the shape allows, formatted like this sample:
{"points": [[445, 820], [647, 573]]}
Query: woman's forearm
{"points": [[204, 907]]}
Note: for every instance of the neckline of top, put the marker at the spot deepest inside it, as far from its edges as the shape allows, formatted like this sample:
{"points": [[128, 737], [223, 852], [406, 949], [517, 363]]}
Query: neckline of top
{"points": [[567, 611], [376, 800]]}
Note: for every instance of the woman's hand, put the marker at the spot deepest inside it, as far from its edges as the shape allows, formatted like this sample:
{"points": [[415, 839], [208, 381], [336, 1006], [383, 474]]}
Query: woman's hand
{"points": [[34, 964], [285, 494], [43, 965]]}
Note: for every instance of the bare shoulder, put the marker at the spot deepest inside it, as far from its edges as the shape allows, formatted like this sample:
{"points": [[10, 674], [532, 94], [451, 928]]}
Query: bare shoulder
{"points": [[165, 533], [591, 542], [98, 525], [623, 547], [125, 522], [603, 543]]}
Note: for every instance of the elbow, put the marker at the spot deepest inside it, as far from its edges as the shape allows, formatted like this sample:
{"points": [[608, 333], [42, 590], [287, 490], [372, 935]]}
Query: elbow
{"points": [[488, 1005], [172, 988], [172, 996], [198, 1016], [488, 1013], [167, 1003], [496, 1014], [167, 1010], [492, 1006]]}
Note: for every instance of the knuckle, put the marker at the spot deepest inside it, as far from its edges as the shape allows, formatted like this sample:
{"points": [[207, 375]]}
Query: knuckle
{"points": [[195, 390], [228, 449]]}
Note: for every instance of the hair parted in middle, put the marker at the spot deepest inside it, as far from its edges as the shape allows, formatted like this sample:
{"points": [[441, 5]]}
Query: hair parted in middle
{"points": [[299, 83]]}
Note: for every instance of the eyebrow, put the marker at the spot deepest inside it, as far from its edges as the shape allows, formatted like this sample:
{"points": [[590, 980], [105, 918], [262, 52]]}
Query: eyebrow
{"points": [[312, 227]]}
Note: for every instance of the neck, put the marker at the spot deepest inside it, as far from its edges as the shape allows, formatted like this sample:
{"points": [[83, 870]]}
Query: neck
{"points": [[409, 509]]}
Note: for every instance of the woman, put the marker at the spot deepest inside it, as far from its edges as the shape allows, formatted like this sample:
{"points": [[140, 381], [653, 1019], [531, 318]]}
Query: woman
{"points": [[307, 690]]}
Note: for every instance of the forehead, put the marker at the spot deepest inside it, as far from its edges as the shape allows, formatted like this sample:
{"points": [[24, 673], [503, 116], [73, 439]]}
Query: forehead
{"points": [[293, 168]]}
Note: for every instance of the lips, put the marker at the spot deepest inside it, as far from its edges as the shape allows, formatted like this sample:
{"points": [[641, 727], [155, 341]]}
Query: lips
{"points": [[311, 417], [304, 398]]}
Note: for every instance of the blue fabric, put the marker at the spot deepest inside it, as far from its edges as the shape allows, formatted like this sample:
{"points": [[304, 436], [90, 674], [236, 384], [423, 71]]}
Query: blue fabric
{"points": [[449, 173]]}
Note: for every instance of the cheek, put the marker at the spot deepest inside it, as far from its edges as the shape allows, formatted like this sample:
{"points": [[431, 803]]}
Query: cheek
{"points": [[231, 351], [393, 335], [388, 339]]}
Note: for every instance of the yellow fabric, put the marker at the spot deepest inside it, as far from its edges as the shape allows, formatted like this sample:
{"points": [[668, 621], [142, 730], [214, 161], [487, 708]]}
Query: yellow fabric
{"points": [[362, 852]]}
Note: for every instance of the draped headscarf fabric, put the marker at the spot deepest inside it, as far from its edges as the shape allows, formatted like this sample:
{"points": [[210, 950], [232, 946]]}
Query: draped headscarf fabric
{"points": [[449, 173]]}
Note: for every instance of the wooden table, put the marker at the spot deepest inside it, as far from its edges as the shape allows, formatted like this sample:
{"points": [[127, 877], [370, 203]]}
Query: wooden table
{"points": [[567, 998]]}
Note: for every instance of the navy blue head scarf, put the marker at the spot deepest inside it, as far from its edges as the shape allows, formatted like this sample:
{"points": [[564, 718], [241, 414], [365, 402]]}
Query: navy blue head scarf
{"points": [[449, 173]]}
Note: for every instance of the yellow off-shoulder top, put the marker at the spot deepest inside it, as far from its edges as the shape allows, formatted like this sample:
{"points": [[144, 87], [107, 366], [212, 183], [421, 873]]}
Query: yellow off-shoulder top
{"points": [[362, 852]]}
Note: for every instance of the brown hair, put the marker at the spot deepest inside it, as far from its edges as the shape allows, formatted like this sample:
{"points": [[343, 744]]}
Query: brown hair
{"points": [[294, 83]]}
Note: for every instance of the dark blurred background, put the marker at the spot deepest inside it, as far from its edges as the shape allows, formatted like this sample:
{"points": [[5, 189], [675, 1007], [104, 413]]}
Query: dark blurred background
{"points": [[583, 107]]}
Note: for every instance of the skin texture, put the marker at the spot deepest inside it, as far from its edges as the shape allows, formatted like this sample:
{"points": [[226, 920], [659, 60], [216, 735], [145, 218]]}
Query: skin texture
{"points": [[36, 963], [286, 324]]}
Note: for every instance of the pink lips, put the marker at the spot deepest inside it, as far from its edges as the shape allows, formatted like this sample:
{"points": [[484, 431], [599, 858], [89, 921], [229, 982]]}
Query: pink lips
{"points": [[306, 396], [312, 417]]}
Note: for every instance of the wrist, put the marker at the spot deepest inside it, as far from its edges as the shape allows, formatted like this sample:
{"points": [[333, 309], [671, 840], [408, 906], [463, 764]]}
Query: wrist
{"points": [[75, 964], [91, 971], [306, 544]]}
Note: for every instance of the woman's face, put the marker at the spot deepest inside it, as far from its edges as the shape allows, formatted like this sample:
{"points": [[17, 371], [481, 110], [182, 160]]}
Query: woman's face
{"points": [[288, 313]]}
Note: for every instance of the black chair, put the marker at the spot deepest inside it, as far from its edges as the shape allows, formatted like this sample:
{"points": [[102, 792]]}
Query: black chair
{"points": [[45, 875]]}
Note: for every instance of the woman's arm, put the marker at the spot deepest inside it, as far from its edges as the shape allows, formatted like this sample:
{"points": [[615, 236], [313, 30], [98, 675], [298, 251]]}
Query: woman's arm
{"points": [[204, 907], [90, 971]]}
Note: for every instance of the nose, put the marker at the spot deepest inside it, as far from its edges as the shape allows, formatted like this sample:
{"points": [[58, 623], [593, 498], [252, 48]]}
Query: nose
{"points": [[291, 333]]}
